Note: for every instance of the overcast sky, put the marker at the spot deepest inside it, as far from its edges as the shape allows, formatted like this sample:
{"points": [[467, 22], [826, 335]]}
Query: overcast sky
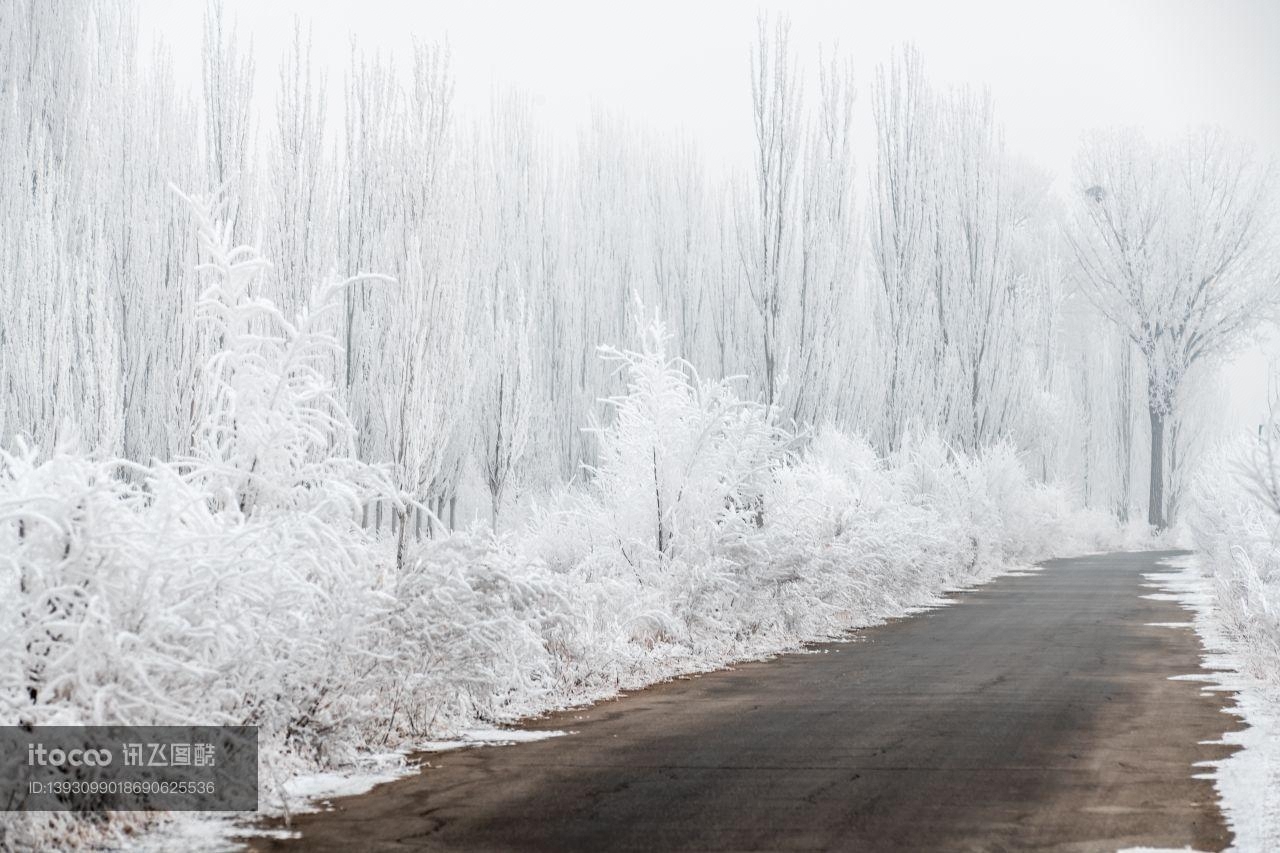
{"points": [[1055, 70]]}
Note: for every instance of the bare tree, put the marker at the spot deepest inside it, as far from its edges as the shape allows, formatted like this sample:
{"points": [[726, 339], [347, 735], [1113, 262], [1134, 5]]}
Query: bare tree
{"points": [[228, 95], [1124, 427], [830, 237], [422, 321], [983, 295], [1169, 246], [301, 225], [903, 231], [369, 189], [506, 265], [766, 231]]}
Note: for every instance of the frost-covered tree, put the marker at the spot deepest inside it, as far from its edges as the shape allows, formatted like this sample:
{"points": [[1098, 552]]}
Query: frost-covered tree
{"points": [[957, 265], [368, 193], [600, 267], [767, 221], [423, 320], [96, 338], [507, 272], [407, 361], [676, 222], [903, 238], [821, 331], [983, 299], [229, 137], [301, 224], [683, 461], [273, 425], [1171, 245]]}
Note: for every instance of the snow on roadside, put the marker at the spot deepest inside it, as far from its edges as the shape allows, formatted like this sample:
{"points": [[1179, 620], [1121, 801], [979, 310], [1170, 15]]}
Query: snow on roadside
{"points": [[489, 737], [207, 832], [1247, 781]]}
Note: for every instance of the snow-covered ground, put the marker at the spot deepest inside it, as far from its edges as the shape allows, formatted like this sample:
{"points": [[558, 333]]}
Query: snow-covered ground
{"points": [[1248, 781], [1232, 585]]}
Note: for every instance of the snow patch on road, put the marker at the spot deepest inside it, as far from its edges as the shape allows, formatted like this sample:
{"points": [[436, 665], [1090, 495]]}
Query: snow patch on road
{"points": [[489, 737]]}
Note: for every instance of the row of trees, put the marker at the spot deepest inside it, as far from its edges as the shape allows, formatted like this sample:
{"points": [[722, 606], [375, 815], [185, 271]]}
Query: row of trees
{"points": [[954, 293]]}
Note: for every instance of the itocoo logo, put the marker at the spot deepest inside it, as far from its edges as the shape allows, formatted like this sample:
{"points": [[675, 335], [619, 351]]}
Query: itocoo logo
{"points": [[39, 756]]}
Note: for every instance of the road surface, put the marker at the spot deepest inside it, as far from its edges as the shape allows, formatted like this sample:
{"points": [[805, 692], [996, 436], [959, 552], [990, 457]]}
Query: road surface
{"points": [[1036, 712]]}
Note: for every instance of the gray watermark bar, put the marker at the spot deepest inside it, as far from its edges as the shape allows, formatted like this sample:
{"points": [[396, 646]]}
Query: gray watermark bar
{"points": [[128, 768]]}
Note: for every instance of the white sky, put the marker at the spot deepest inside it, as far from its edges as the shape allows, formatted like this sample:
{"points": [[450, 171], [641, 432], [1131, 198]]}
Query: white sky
{"points": [[1055, 71]]}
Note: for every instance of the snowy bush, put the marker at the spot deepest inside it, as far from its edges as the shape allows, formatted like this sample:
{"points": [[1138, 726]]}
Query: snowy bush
{"points": [[135, 601], [682, 461], [230, 587], [1237, 532], [273, 432], [474, 626], [1235, 522]]}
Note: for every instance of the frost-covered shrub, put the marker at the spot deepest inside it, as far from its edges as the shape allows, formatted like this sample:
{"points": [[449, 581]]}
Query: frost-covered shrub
{"points": [[273, 431], [233, 586], [1027, 520], [135, 601], [1237, 533], [837, 537], [682, 462], [475, 626]]}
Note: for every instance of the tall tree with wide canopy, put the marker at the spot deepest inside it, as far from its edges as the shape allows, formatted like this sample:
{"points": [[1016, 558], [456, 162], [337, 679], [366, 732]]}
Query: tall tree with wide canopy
{"points": [[1170, 244]]}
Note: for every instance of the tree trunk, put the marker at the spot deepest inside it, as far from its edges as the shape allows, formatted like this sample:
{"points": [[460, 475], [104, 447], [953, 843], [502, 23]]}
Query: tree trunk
{"points": [[657, 494], [1125, 417], [400, 523], [1155, 502]]}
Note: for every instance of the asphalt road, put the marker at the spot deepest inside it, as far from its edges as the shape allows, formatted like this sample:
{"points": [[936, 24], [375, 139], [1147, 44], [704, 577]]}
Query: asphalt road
{"points": [[1036, 712]]}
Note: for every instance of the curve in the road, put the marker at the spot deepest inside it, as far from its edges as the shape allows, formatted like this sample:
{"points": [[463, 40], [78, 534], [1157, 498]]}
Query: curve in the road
{"points": [[1037, 712]]}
